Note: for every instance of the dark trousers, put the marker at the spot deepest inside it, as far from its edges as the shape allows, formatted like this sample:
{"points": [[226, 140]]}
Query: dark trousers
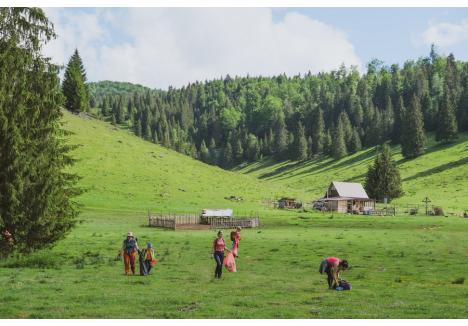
{"points": [[219, 258], [148, 265], [324, 268]]}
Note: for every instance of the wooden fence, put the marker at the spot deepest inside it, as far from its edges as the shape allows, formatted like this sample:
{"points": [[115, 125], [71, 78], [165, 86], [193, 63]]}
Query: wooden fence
{"points": [[173, 221], [245, 222]]}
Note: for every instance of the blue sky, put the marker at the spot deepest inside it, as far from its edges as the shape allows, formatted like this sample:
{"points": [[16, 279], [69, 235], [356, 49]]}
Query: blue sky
{"points": [[389, 34], [159, 47]]}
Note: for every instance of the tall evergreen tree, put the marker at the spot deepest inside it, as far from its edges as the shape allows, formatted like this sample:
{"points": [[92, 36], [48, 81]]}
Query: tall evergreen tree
{"points": [[447, 123], [300, 146], [281, 141], [338, 146], [413, 138], [355, 143], [383, 177], [239, 151], [204, 153], [227, 156], [318, 132], [36, 186], [74, 85]]}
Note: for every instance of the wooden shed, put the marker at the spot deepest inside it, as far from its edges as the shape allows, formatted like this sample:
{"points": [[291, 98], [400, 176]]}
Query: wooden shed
{"points": [[290, 203], [347, 197]]}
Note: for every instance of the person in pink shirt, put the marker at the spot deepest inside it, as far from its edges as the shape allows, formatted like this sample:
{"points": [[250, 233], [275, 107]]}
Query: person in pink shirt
{"points": [[332, 266], [218, 253]]}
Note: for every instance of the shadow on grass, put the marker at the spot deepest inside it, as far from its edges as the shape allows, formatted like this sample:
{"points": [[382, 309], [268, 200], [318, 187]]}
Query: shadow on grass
{"points": [[438, 169]]}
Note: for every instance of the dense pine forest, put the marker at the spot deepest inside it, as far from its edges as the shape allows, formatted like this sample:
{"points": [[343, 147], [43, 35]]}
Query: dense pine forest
{"points": [[232, 120]]}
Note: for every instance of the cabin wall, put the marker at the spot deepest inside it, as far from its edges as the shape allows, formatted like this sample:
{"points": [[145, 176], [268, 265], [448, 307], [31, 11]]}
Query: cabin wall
{"points": [[340, 206]]}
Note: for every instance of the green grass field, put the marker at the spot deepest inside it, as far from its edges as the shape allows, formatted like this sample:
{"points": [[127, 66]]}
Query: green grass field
{"points": [[441, 174], [402, 267]]}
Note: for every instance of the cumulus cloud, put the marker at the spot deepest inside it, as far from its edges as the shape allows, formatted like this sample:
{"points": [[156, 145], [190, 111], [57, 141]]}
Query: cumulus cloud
{"points": [[446, 34], [160, 47]]}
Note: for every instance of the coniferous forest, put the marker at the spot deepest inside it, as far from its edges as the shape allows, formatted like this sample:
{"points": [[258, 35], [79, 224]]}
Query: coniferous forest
{"points": [[237, 119]]}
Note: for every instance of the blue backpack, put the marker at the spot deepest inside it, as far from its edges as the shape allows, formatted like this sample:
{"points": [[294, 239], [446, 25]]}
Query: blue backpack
{"points": [[130, 245]]}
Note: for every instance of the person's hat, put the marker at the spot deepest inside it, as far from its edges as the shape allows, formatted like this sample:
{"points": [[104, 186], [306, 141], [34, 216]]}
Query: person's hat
{"points": [[130, 234], [149, 245], [220, 232], [239, 228]]}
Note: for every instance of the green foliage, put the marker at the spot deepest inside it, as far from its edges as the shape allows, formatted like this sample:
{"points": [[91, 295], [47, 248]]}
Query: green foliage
{"points": [[269, 108], [383, 177], [74, 85], [230, 119], [36, 187], [413, 138], [318, 132], [338, 145], [447, 124], [300, 145], [204, 153]]}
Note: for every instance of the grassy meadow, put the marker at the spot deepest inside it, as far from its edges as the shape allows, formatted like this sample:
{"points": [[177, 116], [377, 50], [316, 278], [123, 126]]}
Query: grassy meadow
{"points": [[441, 174], [401, 267]]}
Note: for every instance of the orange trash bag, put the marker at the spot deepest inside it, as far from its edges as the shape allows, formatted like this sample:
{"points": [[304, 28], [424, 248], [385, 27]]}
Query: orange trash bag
{"points": [[230, 262]]}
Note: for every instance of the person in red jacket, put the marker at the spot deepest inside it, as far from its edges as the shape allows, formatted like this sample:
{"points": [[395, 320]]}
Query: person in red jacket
{"points": [[332, 266], [219, 246]]}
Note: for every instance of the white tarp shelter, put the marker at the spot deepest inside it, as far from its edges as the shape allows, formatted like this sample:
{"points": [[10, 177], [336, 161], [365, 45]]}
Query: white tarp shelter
{"points": [[217, 212]]}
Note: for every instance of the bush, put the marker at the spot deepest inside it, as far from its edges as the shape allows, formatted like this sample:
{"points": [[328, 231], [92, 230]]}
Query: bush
{"points": [[459, 280]]}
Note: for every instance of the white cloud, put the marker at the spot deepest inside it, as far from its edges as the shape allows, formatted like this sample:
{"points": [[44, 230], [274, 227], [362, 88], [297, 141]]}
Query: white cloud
{"points": [[446, 34], [159, 47]]}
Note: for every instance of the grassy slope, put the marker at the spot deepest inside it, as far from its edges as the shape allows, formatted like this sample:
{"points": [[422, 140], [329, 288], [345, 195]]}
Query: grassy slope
{"points": [[123, 172], [401, 266], [441, 174]]}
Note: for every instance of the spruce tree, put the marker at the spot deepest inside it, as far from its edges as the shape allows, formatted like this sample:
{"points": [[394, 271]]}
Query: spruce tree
{"points": [[399, 111], [355, 143], [383, 177], [447, 123], [300, 147], [213, 152], [227, 156], [74, 85], [36, 186], [239, 151], [413, 138], [281, 140], [338, 146], [204, 153], [318, 132]]}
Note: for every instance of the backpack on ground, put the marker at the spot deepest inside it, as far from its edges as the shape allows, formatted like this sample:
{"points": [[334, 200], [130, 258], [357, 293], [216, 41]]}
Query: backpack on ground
{"points": [[343, 285]]}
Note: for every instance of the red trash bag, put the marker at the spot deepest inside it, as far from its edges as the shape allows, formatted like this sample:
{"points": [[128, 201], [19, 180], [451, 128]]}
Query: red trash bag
{"points": [[230, 262]]}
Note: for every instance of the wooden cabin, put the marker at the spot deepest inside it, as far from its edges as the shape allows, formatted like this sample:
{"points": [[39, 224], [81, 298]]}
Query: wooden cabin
{"points": [[347, 197]]}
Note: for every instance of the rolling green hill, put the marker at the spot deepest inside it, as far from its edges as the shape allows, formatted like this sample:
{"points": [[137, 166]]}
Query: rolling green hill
{"points": [[277, 269], [124, 172], [441, 174]]}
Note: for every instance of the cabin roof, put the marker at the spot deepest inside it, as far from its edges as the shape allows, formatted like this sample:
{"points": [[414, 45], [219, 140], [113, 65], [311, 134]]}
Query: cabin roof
{"points": [[350, 190]]}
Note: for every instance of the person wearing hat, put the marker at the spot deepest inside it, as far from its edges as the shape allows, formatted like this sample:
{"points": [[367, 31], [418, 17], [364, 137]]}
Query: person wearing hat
{"points": [[218, 253], [130, 249], [150, 260]]}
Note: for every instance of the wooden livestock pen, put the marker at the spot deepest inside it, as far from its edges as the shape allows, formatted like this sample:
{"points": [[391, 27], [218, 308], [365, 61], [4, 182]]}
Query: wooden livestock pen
{"points": [[195, 222], [173, 221], [243, 222]]}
